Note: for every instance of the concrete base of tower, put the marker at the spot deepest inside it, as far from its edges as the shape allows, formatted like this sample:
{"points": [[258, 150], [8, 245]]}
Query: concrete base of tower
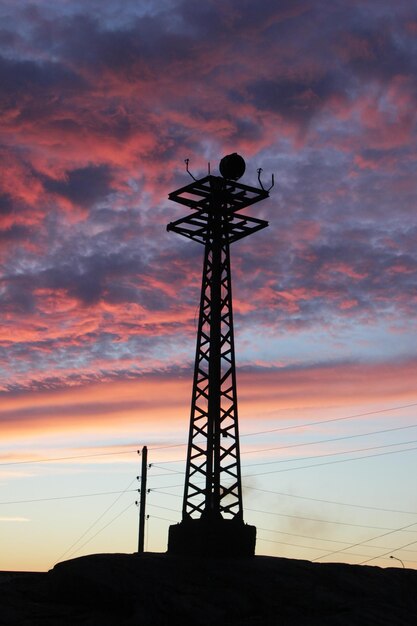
{"points": [[212, 537]]}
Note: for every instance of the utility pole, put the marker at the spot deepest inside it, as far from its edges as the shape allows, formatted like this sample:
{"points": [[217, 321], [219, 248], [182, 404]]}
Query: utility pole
{"points": [[212, 516], [142, 503]]}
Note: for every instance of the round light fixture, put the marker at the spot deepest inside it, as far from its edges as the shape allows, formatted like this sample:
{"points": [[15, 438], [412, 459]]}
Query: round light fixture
{"points": [[232, 166]]}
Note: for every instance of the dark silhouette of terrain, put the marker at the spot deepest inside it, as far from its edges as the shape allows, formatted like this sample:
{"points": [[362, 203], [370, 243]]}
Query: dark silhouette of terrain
{"points": [[160, 589]]}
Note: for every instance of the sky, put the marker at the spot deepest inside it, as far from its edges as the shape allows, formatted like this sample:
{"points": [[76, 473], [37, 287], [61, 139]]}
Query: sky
{"points": [[101, 103]]}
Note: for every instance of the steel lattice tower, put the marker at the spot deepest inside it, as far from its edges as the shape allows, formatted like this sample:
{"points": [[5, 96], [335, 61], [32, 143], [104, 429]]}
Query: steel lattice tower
{"points": [[212, 516]]}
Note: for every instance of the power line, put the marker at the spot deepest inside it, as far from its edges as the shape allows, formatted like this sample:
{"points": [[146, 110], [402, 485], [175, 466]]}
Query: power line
{"points": [[348, 543], [360, 543], [297, 517], [281, 532], [297, 545], [327, 454], [171, 445], [96, 521], [65, 458], [312, 465], [304, 443], [313, 443], [165, 508], [81, 495], [169, 469], [165, 519], [357, 458], [305, 458], [325, 521], [357, 506], [316, 423], [101, 529], [167, 474], [380, 556], [287, 543], [310, 519], [260, 432], [328, 421], [165, 493], [168, 486]]}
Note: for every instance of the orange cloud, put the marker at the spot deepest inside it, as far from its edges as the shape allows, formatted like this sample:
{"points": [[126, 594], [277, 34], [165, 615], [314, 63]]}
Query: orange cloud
{"points": [[158, 403]]}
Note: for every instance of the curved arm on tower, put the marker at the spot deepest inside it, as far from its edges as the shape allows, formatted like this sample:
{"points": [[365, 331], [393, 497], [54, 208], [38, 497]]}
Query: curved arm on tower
{"points": [[260, 170]]}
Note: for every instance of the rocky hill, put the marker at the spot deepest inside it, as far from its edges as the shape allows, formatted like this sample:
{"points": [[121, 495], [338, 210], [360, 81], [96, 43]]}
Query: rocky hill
{"points": [[160, 589]]}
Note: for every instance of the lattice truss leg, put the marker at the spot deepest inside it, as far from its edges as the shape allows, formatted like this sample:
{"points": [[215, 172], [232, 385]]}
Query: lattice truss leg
{"points": [[213, 478]]}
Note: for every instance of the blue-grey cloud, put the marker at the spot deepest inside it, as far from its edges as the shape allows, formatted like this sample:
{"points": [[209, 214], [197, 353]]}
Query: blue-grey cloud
{"points": [[102, 102]]}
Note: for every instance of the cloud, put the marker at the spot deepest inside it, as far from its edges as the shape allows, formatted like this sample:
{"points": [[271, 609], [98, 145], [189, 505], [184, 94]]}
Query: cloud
{"points": [[84, 186], [126, 401], [102, 102], [293, 99], [26, 77]]}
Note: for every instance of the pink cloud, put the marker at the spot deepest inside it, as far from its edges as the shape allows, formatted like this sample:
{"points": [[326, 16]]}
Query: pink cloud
{"points": [[344, 268], [115, 112], [162, 401], [348, 304]]}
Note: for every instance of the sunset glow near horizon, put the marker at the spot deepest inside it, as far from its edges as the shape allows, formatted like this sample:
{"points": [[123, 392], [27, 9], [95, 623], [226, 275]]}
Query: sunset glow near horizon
{"points": [[101, 103]]}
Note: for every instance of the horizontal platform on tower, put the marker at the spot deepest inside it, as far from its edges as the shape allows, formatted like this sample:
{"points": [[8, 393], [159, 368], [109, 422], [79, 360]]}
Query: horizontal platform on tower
{"points": [[210, 192], [196, 226]]}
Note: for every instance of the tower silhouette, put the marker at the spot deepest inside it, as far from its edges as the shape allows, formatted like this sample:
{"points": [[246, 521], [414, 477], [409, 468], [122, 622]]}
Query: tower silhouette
{"points": [[212, 516]]}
